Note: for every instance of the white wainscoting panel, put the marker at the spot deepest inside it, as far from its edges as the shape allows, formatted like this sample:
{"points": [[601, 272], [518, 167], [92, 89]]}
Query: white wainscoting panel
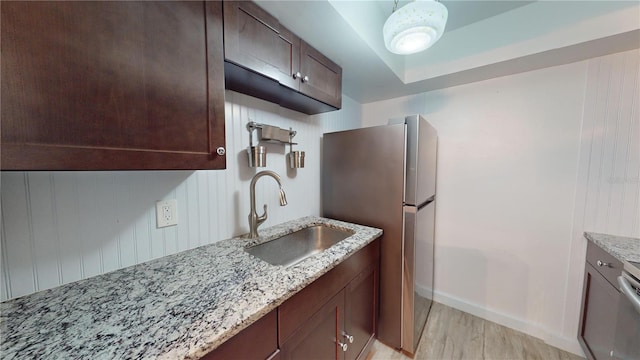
{"points": [[608, 183], [60, 227], [611, 148]]}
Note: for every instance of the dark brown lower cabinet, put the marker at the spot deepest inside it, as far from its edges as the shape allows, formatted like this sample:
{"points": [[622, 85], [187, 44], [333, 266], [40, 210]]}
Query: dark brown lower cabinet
{"points": [[600, 310], [318, 337], [335, 317], [361, 306], [343, 328], [599, 304]]}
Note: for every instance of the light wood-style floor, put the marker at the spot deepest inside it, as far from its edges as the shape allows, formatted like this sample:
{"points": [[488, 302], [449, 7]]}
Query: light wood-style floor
{"points": [[451, 334]]}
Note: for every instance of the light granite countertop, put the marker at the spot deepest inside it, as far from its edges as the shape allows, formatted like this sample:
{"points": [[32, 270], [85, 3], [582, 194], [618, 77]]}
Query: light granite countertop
{"points": [[177, 307], [622, 248]]}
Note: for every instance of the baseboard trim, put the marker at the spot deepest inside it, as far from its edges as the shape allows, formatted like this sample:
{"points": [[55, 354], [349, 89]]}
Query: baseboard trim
{"points": [[567, 344]]}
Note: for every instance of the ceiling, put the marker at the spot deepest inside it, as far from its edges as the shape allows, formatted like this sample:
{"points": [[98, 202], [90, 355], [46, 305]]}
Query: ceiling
{"points": [[461, 12], [482, 40]]}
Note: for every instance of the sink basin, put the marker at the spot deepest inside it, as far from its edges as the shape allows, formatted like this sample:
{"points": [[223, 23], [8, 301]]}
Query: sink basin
{"points": [[292, 248]]}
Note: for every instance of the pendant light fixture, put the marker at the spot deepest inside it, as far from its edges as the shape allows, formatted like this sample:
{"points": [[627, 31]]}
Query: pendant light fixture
{"points": [[415, 26]]}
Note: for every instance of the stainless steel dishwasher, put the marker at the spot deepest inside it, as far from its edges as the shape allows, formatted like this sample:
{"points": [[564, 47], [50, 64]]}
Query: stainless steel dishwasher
{"points": [[627, 340]]}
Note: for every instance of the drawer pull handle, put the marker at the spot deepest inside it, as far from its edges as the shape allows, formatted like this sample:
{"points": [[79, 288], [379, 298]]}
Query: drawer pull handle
{"points": [[600, 263]]}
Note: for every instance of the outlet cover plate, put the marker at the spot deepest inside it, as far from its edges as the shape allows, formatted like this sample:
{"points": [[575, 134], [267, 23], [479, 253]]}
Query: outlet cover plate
{"points": [[167, 213]]}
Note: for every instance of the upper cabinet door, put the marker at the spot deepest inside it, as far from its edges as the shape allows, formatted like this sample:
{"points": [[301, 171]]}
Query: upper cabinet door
{"points": [[112, 85], [255, 40], [321, 77]]}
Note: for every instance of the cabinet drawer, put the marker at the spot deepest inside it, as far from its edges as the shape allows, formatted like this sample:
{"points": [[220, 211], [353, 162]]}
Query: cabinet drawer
{"points": [[258, 341], [606, 264]]}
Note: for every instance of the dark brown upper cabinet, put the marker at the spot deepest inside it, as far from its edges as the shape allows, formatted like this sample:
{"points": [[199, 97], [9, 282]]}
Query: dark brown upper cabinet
{"points": [[265, 60], [112, 85], [320, 78]]}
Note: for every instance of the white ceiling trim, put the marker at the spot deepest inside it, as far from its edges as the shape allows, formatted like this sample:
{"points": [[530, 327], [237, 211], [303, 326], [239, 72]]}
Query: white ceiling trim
{"points": [[515, 34]]}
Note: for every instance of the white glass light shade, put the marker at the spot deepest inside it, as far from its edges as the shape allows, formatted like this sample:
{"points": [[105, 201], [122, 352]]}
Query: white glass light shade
{"points": [[415, 27]]}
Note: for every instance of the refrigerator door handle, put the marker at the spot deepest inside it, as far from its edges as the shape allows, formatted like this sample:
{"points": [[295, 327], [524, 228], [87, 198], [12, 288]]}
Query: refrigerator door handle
{"points": [[427, 202]]}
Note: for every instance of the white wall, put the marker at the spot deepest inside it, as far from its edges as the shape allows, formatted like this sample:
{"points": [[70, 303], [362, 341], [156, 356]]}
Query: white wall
{"points": [[59, 227], [506, 190]]}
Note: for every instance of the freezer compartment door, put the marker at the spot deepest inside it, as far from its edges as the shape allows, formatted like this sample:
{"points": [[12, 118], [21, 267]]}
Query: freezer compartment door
{"points": [[417, 272], [422, 145], [363, 175]]}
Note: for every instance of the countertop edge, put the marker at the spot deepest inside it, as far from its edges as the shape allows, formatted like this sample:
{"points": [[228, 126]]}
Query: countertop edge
{"points": [[621, 247]]}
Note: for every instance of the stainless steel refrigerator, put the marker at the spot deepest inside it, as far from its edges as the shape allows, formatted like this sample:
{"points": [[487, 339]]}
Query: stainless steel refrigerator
{"points": [[385, 176]]}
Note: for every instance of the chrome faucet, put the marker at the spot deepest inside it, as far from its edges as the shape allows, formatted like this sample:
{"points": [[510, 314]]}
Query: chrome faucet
{"points": [[254, 219]]}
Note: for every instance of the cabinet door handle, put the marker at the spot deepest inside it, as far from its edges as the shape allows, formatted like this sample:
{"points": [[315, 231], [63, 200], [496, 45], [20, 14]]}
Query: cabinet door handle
{"points": [[297, 75], [343, 346], [600, 263], [348, 337], [305, 79]]}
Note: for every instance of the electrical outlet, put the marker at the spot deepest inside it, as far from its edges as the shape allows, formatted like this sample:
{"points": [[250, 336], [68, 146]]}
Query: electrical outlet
{"points": [[167, 213]]}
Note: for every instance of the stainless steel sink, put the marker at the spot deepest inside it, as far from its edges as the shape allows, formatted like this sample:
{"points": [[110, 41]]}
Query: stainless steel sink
{"points": [[292, 248]]}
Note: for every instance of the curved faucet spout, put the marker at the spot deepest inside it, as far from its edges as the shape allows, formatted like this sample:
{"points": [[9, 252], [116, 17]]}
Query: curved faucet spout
{"points": [[283, 197], [254, 219]]}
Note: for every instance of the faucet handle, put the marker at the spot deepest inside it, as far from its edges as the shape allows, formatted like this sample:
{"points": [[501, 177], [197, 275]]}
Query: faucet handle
{"points": [[262, 218]]}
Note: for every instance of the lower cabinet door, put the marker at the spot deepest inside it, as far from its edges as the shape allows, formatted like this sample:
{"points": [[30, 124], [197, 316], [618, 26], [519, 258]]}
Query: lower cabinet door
{"points": [[599, 313], [360, 312], [317, 338]]}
